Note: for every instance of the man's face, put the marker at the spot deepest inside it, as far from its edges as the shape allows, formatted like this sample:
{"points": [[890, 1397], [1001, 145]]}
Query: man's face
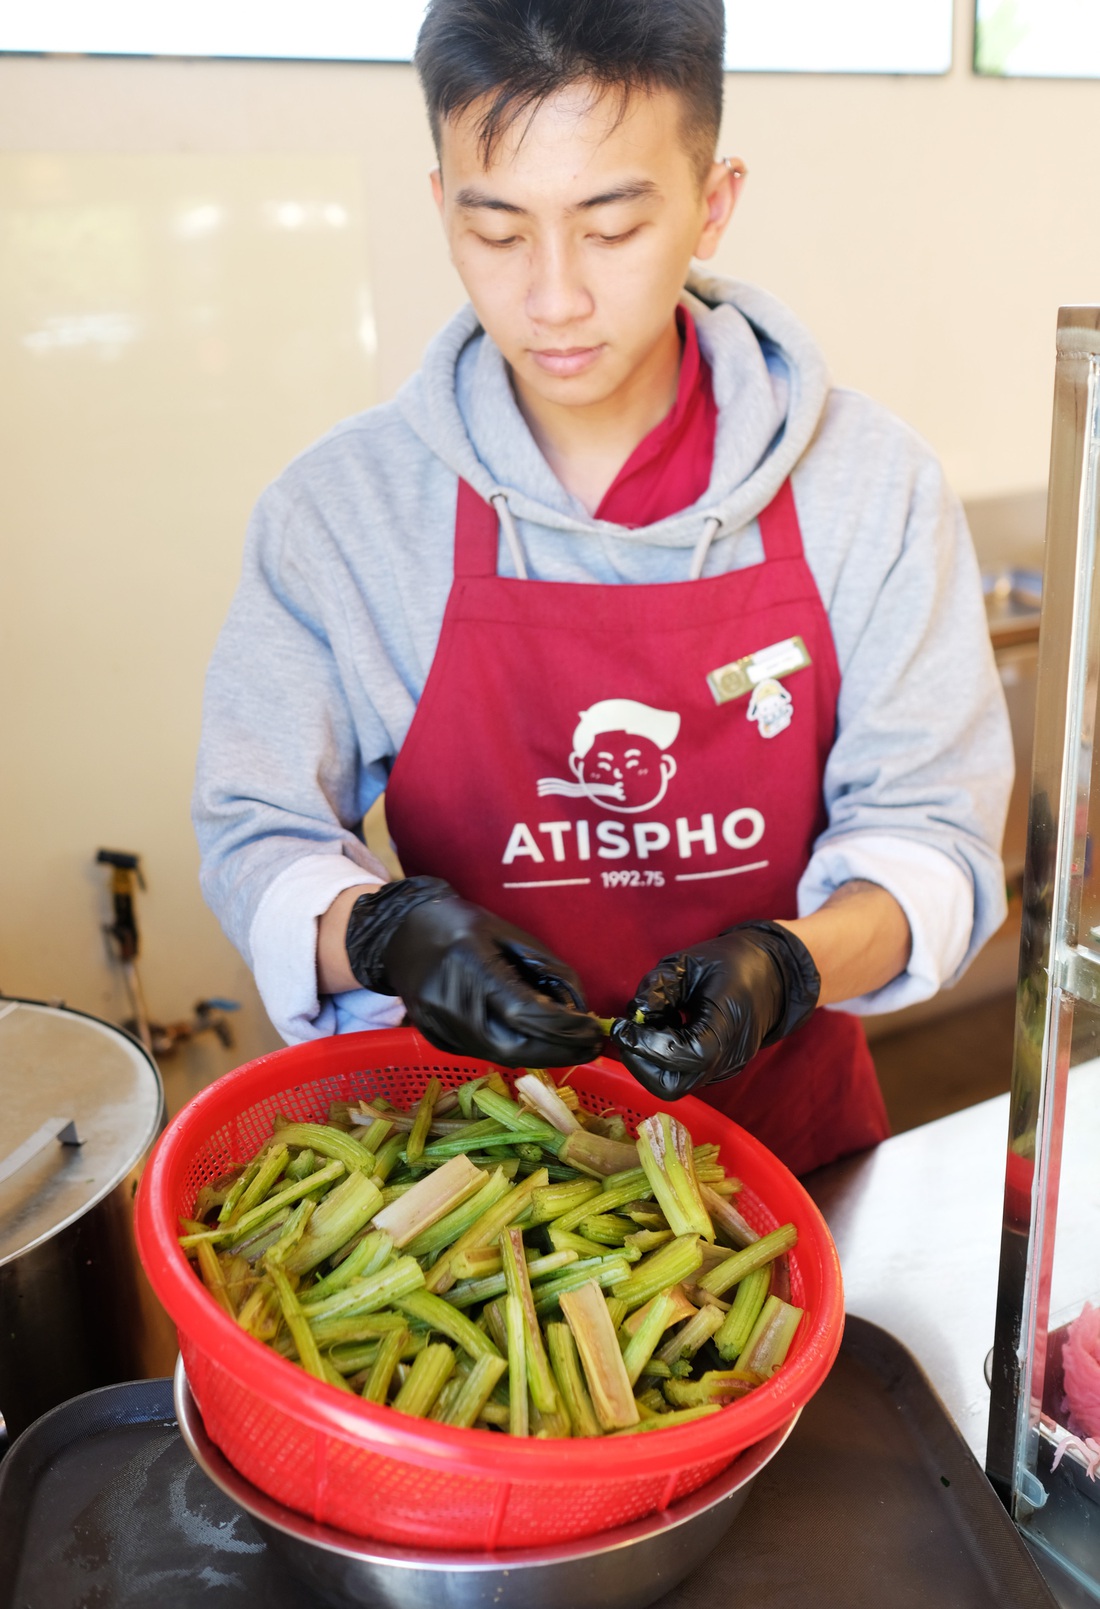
{"points": [[624, 771], [574, 242]]}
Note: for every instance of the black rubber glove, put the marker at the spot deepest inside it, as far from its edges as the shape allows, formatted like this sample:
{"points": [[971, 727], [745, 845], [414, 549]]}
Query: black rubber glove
{"points": [[471, 983], [708, 1010]]}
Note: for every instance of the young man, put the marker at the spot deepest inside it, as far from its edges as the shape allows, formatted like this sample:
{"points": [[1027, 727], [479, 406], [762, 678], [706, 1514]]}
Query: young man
{"points": [[671, 659]]}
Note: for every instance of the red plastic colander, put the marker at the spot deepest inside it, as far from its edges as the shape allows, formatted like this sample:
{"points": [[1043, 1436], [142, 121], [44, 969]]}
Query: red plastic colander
{"points": [[376, 1473]]}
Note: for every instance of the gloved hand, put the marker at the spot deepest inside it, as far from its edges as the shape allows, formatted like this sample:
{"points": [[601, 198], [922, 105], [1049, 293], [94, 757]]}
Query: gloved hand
{"points": [[472, 984], [709, 1009]]}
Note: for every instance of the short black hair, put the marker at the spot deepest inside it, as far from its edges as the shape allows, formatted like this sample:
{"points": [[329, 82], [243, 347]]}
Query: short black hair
{"points": [[518, 53]]}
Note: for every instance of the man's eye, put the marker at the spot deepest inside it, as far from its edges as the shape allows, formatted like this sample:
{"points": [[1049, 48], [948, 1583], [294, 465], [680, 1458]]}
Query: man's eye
{"points": [[491, 240], [616, 240]]}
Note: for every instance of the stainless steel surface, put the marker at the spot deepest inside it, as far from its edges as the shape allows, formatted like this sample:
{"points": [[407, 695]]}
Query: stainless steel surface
{"points": [[77, 1311], [55, 1129], [917, 1223], [627, 1568], [1057, 1021], [53, 1060]]}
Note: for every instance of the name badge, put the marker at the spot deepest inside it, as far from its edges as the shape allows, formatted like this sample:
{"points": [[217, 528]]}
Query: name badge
{"points": [[767, 664]]}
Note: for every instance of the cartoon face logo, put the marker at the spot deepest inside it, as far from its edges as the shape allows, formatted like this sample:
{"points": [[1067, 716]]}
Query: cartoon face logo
{"points": [[620, 759]]}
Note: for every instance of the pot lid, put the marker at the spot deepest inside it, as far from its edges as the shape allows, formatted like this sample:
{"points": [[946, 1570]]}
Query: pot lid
{"points": [[59, 1068]]}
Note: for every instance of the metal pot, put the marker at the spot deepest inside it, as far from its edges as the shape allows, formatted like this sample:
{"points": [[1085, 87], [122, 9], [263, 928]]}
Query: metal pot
{"points": [[626, 1568], [82, 1105]]}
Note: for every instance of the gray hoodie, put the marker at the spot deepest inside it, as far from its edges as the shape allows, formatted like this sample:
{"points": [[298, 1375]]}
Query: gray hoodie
{"points": [[349, 559]]}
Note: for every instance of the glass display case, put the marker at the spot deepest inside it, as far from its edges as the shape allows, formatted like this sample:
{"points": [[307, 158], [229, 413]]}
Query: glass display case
{"points": [[1044, 1437]]}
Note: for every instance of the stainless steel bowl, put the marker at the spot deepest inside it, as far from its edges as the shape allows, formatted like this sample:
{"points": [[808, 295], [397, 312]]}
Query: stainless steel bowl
{"points": [[622, 1569]]}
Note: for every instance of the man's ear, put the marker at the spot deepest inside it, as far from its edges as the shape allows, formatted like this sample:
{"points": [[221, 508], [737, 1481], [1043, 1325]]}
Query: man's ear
{"points": [[436, 181], [576, 765], [721, 192], [668, 766]]}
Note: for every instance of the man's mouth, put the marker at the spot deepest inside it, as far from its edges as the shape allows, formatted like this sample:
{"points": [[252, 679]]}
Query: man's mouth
{"points": [[565, 360]]}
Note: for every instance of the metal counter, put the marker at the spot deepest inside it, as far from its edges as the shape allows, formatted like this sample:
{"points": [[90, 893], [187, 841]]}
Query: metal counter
{"points": [[917, 1223]]}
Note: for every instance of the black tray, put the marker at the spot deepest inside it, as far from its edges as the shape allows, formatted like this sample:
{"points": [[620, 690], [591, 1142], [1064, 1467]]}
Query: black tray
{"points": [[875, 1500]]}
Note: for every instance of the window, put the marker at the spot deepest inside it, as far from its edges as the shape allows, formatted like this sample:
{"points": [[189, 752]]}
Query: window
{"points": [[845, 36]]}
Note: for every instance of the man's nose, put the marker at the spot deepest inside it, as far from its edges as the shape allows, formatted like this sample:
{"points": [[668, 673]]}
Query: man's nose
{"points": [[556, 294]]}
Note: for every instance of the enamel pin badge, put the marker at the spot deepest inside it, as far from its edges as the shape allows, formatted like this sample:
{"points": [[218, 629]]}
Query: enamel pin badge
{"points": [[770, 707]]}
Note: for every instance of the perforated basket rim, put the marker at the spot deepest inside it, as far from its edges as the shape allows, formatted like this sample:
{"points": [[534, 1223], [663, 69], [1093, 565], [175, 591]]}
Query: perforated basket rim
{"points": [[325, 1410]]}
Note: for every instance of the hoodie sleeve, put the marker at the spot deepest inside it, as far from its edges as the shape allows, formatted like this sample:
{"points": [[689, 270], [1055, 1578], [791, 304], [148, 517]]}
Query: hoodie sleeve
{"points": [[917, 783], [284, 778]]}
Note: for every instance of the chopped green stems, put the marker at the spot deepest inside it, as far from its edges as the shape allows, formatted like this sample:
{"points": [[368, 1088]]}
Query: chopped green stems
{"points": [[481, 1262], [237, 1190], [566, 1365], [482, 1290], [527, 1125], [440, 1315], [543, 1098], [472, 1137], [270, 1169], [379, 1129], [681, 1309], [729, 1273], [291, 1232], [728, 1222], [609, 1271], [659, 1315], [609, 1228], [371, 1253], [566, 1240], [373, 1112], [327, 1142], [455, 1223], [667, 1156], [668, 1265], [540, 1376], [475, 1392], [430, 1199], [605, 1024], [237, 1232], [301, 1166], [386, 1359], [740, 1321], [518, 1420], [423, 1122], [430, 1264], [650, 1402], [644, 1240], [555, 1199], [258, 1312], [771, 1338], [717, 1386], [694, 1334], [356, 1328], [592, 1153], [309, 1355], [604, 1371], [388, 1155], [617, 1309], [504, 1212], [466, 1096], [213, 1277], [666, 1421], [369, 1295], [614, 1194], [343, 1213], [430, 1372]]}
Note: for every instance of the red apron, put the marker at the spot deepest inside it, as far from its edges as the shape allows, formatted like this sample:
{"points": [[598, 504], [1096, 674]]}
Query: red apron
{"points": [[569, 768]]}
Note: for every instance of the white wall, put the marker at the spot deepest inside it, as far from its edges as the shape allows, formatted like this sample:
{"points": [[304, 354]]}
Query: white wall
{"points": [[926, 229]]}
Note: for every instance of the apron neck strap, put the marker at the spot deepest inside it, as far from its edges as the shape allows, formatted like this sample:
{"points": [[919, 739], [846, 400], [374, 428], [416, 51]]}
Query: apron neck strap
{"points": [[477, 534], [779, 528]]}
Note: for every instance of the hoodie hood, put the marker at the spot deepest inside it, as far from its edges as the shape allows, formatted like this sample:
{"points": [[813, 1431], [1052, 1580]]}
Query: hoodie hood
{"points": [[770, 385]]}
